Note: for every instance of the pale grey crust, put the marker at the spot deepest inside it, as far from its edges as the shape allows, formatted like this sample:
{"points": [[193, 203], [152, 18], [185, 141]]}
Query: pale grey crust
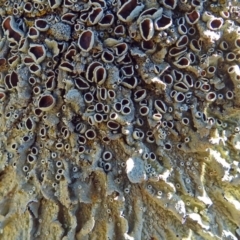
{"points": [[119, 120]]}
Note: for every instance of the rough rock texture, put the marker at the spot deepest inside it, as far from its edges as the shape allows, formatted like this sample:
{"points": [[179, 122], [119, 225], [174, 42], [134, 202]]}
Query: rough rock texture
{"points": [[119, 120]]}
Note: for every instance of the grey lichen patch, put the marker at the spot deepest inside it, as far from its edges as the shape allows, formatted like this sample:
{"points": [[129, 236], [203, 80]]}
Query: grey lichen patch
{"points": [[61, 31], [135, 170]]}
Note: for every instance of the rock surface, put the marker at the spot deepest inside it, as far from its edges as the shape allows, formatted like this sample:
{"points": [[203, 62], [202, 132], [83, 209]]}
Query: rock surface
{"points": [[119, 120]]}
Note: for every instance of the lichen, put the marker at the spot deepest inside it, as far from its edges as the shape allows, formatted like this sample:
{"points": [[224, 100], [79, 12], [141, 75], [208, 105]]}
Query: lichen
{"points": [[119, 119]]}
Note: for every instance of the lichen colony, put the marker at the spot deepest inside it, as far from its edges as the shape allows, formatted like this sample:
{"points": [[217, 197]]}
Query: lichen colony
{"points": [[119, 119]]}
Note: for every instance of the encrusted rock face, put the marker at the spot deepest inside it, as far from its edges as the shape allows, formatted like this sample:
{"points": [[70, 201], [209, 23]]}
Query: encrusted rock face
{"points": [[119, 119]]}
